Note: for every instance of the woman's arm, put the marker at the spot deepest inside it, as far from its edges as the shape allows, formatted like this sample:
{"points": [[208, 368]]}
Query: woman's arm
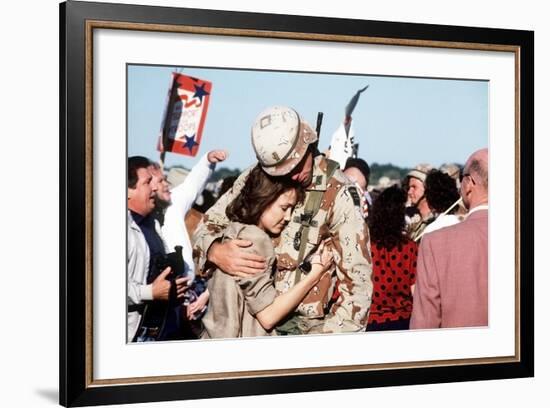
{"points": [[288, 301]]}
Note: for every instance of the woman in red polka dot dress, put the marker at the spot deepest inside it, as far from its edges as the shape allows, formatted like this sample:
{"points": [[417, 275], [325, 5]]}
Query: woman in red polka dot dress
{"points": [[394, 263]]}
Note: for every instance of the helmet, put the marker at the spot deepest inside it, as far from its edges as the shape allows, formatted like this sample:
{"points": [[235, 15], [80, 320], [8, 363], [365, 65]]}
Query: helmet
{"points": [[451, 169], [280, 139], [420, 172]]}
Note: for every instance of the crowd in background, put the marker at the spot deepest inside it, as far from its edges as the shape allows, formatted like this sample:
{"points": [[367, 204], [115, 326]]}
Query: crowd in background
{"points": [[298, 244]]}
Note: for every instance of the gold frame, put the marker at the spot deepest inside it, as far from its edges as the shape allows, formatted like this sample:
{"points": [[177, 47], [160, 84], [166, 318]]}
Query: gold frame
{"points": [[98, 24]]}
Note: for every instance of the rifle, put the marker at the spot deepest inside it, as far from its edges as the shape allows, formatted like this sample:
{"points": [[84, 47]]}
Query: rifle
{"points": [[319, 123]]}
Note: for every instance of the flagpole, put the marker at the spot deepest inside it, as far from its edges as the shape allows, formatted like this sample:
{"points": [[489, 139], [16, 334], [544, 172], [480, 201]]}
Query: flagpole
{"points": [[445, 213], [161, 160], [167, 121]]}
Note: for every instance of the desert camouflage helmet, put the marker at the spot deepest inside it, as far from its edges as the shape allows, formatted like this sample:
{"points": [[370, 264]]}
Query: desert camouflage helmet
{"points": [[280, 139], [451, 169], [420, 172]]}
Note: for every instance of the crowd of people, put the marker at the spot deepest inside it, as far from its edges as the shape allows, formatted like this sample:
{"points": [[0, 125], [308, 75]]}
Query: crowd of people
{"points": [[297, 245]]}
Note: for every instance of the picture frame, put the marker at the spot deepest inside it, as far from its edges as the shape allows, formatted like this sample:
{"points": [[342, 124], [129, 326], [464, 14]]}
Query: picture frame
{"points": [[78, 21]]}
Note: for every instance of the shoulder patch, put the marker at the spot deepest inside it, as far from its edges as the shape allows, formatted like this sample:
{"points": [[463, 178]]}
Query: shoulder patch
{"points": [[355, 196]]}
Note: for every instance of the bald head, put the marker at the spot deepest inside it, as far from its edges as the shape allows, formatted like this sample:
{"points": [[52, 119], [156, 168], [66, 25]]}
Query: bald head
{"points": [[474, 186], [477, 166]]}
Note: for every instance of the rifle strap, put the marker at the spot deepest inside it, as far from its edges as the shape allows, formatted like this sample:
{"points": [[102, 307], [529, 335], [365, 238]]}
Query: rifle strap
{"points": [[312, 206]]}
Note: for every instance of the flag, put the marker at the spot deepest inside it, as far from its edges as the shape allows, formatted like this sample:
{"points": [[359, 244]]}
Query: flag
{"points": [[342, 144], [185, 115]]}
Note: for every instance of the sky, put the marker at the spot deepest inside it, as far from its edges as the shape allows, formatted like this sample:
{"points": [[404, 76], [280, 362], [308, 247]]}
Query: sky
{"points": [[398, 120]]}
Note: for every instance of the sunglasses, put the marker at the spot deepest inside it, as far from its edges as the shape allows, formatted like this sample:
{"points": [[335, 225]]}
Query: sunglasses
{"points": [[467, 175]]}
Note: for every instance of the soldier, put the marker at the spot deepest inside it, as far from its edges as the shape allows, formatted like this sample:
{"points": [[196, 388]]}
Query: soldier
{"points": [[286, 146], [419, 214]]}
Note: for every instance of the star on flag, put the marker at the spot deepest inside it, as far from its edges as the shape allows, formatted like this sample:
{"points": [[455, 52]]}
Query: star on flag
{"points": [[190, 142], [200, 92]]}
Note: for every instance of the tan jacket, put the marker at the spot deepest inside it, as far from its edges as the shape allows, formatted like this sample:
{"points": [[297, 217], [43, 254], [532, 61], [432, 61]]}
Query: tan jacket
{"points": [[235, 301]]}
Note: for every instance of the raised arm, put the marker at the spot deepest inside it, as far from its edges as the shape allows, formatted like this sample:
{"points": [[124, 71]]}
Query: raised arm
{"points": [[183, 197]]}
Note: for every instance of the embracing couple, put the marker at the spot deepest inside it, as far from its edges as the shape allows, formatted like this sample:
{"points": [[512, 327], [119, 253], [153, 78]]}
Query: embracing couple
{"points": [[287, 249]]}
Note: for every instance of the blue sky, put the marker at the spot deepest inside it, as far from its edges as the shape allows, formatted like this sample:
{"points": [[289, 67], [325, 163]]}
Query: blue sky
{"points": [[398, 120]]}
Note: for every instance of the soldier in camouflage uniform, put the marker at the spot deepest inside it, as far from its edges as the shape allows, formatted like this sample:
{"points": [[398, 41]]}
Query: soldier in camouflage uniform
{"points": [[286, 146], [419, 213]]}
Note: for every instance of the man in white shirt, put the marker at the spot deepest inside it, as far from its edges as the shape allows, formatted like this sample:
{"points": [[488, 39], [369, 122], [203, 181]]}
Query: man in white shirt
{"points": [[173, 205], [155, 227], [147, 286]]}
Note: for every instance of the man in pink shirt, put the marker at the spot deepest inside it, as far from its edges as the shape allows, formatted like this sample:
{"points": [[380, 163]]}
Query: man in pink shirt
{"points": [[451, 286]]}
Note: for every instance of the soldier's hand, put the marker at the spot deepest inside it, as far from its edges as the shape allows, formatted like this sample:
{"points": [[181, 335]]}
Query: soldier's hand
{"points": [[216, 156], [232, 259], [161, 286]]}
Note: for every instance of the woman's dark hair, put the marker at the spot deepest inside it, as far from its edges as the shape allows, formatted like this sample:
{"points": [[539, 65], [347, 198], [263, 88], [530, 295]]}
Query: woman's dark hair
{"points": [[387, 218], [441, 191], [258, 193]]}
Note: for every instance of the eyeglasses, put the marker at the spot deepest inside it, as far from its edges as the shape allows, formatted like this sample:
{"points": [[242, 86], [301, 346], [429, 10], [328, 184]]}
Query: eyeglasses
{"points": [[467, 175]]}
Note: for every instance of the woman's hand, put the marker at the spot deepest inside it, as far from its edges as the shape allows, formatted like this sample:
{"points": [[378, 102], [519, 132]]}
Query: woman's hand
{"points": [[322, 260], [198, 305]]}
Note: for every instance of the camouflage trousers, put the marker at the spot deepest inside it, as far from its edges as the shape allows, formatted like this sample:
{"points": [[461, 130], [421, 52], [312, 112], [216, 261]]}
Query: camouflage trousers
{"points": [[297, 324]]}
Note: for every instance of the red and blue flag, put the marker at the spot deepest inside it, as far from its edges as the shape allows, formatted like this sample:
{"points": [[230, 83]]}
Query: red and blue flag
{"points": [[185, 115]]}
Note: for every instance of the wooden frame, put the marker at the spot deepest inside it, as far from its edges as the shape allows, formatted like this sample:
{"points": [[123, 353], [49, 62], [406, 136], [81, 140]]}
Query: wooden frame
{"points": [[78, 20]]}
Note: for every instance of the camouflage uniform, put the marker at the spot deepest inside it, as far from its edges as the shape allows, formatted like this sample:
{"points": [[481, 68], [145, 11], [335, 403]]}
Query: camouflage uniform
{"points": [[340, 218], [417, 225]]}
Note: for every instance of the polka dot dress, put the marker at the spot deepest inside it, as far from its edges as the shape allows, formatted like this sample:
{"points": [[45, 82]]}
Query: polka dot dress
{"points": [[393, 273]]}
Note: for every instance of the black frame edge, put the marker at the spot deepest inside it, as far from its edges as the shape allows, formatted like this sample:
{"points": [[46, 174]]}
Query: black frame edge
{"points": [[293, 23], [62, 208], [73, 173], [72, 386], [140, 393], [527, 197]]}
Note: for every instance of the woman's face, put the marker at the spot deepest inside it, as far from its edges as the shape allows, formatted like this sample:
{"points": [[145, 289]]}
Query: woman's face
{"points": [[277, 215]]}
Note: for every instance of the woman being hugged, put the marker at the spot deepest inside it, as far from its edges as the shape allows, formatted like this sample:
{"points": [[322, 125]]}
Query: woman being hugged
{"points": [[246, 307]]}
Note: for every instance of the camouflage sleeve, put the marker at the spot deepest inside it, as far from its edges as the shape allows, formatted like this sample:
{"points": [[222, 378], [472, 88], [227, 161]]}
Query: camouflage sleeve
{"points": [[213, 224], [353, 264]]}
